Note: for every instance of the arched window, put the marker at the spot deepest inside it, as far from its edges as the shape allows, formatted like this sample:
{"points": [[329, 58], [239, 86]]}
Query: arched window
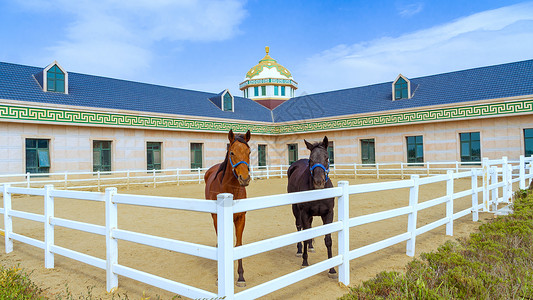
{"points": [[55, 80], [228, 102], [400, 89]]}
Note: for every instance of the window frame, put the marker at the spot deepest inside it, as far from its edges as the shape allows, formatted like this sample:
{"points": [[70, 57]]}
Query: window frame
{"points": [[100, 167], [526, 139], [151, 153], [404, 88], [362, 143], [282, 90], [415, 160], [292, 148], [193, 163], [227, 98], [262, 156], [38, 148], [331, 152], [256, 91], [263, 90], [469, 142]]}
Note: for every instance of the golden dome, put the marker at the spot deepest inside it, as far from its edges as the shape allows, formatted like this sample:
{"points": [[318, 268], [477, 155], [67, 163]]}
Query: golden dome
{"points": [[268, 62]]}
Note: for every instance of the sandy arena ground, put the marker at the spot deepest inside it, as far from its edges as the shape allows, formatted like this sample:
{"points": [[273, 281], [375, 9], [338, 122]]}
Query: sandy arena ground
{"points": [[198, 228]]}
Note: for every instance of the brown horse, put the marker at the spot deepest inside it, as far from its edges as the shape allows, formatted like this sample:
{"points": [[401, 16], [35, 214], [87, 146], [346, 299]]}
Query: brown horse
{"points": [[232, 176]]}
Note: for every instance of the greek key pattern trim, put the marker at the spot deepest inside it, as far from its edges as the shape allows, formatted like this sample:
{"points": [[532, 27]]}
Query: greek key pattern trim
{"points": [[492, 109], [100, 118], [97, 118]]}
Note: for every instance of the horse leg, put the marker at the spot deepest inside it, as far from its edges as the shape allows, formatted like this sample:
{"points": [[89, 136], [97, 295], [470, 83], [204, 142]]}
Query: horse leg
{"points": [[327, 219], [305, 225], [311, 247], [296, 213], [239, 220]]}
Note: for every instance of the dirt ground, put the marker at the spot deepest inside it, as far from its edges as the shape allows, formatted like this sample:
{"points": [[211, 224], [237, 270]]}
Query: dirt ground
{"points": [[198, 228]]}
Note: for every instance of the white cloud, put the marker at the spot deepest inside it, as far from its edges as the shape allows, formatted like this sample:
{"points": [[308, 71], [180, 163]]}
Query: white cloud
{"points": [[116, 38], [490, 37], [410, 10]]}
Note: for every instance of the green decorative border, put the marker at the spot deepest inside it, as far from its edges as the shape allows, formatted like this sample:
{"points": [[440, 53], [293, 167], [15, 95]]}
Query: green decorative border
{"points": [[482, 110], [109, 119]]}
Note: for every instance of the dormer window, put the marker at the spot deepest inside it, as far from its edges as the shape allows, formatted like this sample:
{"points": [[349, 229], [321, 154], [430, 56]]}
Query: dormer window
{"points": [[401, 88], [228, 102], [55, 80]]}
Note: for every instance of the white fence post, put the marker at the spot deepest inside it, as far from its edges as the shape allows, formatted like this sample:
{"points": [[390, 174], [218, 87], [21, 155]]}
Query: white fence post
{"points": [[111, 243], [66, 180], [48, 227], [449, 203], [344, 234], [494, 180], [128, 180], [98, 173], [412, 216], [8, 221], [505, 179], [522, 172], [377, 170], [427, 163], [475, 204], [225, 245], [486, 178], [456, 167], [153, 174], [401, 169], [28, 175], [268, 172], [177, 176], [199, 176], [530, 171], [354, 171], [251, 172], [509, 183]]}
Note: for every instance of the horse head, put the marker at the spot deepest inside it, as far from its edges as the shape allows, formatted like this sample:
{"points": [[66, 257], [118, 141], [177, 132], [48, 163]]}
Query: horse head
{"points": [[319, 162], [239, 156]]}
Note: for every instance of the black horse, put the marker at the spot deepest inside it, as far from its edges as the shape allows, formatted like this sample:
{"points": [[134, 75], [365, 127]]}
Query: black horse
{"points": [[311, 174]]}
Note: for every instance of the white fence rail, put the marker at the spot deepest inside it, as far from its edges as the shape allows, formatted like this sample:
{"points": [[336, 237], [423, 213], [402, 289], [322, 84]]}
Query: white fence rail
{"points": [[102, 179], [225, 254]]}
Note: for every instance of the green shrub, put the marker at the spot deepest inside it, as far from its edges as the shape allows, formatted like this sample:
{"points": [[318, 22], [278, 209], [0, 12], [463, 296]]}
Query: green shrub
{"points": [[495, 263], [15, 284]]}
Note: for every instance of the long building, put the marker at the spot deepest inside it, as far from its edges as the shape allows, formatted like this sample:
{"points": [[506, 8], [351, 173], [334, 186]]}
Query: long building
{"points": [[52, 120]]}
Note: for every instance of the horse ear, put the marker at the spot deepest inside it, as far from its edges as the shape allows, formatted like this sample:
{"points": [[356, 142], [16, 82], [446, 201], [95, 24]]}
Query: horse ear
{"points": [[309, 145], [325, 142], [247, 135], [231, 136]]}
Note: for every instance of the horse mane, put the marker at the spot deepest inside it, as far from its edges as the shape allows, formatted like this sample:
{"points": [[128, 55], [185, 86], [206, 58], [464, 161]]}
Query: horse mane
{"points": [[222, 167]]}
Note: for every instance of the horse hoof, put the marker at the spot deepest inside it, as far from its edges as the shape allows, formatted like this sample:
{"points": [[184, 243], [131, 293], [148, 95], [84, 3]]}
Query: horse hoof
{"points": [[303, 267], [298, 254], [312, 250], [333, 275], [241, 283]]}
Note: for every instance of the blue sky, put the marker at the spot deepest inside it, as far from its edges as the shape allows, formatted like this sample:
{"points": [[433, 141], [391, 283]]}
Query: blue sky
{"points": [[210, 45]]}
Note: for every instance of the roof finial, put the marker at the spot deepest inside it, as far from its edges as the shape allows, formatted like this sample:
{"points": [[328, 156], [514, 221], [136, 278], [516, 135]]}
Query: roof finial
{"points": [[267, 49]]}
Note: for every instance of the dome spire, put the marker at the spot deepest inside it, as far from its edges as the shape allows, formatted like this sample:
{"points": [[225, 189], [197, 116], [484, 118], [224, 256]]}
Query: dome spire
{"points": [[267, 49]]}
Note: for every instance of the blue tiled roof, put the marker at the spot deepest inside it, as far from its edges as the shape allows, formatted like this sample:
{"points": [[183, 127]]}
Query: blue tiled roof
{"points": [[17, 83], [506, 80], [492, 82]]}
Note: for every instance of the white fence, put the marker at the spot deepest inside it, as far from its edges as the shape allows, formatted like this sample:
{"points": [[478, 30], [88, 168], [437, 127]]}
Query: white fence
{"points": [[225, 254], [100, 180]]}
